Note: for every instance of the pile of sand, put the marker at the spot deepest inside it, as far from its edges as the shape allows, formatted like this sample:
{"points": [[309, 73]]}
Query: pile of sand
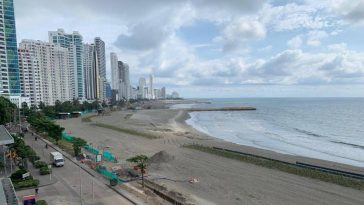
{"points": [[160, 157]]}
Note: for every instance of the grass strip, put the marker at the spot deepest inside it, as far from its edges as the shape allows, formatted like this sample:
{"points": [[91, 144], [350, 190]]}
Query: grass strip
{"points": [[127, 131], [292, 169], [88, 118]]}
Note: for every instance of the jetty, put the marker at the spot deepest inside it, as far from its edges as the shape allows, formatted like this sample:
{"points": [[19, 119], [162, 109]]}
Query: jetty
{"points": [[221, 109]]}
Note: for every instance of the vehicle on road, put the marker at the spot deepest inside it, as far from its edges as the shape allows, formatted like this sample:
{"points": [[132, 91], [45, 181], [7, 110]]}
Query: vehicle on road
{"points": [[56, 159]]}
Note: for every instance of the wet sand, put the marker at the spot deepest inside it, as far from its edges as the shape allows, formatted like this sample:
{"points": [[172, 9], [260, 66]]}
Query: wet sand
{"points": [[221, 180]]}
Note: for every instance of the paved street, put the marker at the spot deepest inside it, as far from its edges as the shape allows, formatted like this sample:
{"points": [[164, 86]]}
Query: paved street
{"points": [[71, 181]]}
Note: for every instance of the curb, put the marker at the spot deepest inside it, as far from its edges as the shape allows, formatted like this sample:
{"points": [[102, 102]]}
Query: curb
{"points": [[70, 158]]}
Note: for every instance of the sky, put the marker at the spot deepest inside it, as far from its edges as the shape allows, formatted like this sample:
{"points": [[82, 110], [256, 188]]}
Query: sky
{"points": [[215, 48]]}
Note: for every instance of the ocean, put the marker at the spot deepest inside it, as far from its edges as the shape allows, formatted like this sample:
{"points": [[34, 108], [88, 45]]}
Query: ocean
{"points": [[324, 128]]}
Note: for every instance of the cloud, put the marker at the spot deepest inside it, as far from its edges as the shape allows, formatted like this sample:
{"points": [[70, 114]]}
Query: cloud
{"points": [[352, 11], [314, 37], [239, 32], [295, 42]]}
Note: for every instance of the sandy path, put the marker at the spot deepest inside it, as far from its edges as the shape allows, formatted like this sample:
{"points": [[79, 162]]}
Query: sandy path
{"points": [[222, 181]]}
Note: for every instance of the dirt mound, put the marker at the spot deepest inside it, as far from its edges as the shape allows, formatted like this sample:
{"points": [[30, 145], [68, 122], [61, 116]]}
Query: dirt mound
{"points": [[160, 157]]}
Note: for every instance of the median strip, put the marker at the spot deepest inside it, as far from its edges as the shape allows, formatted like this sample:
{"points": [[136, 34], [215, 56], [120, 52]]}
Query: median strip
{"points": [[127, 131]]}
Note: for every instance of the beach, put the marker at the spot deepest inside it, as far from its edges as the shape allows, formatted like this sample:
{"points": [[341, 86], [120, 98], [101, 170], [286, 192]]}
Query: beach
{"points": [[219, 180]]}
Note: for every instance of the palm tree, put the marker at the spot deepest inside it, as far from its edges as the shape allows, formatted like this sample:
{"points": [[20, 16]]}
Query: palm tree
{"points": [[141, 162]]}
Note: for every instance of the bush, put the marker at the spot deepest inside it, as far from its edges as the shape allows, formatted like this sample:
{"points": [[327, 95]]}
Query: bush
{"points": [[44, 171], [26, 183], [113, 182], [18, 175], [41, 202], [33, 158], [40, 164]]}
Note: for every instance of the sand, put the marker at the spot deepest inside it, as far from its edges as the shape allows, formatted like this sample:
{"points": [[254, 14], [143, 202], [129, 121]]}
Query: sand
{"points": [[218, 180]]}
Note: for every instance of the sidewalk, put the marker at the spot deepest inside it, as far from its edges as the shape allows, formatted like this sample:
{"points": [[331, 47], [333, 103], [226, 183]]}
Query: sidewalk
{"points": [[39, 147]]}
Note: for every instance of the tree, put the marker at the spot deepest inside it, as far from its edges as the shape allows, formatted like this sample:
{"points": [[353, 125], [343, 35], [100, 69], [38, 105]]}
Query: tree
{"points": [[141, 162], [6, 110], [78, 143], [41, 105]]}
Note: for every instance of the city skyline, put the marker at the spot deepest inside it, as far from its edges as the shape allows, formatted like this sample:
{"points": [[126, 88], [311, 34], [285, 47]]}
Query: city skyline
{"points": [[248, 48]]}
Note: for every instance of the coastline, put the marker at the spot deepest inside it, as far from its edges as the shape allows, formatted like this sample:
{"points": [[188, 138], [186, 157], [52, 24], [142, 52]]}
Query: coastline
{"points": [[221, 180], [217, 142]]}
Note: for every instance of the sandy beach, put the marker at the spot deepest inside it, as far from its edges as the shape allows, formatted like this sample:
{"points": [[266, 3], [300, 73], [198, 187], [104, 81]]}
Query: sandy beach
{"points": [[220, 180]]}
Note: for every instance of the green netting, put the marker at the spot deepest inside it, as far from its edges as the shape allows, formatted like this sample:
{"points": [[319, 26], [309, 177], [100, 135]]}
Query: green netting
{"points": [[107, 173], [108, 156], [67, 137], [92, 149]]}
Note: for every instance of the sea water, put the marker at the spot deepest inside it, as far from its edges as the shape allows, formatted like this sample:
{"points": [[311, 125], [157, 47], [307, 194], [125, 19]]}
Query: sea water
{"points": [[324, 128]]}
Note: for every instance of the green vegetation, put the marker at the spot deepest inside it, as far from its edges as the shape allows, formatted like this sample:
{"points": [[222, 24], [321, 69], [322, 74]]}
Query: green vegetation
{"points": [[40, 164], [28, 183], [127, 131], [19, 182], [141, 162], [44, 170], [41, 202], [78, 143], [22, 150], [6, 110], [43, 125], [301, 171]]}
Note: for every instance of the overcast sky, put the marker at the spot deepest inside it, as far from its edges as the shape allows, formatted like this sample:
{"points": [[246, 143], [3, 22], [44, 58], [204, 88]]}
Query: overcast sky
{"points": [[216, 48]]}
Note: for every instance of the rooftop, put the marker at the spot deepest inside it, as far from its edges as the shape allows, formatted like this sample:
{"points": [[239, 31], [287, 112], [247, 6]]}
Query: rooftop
{"points": [[5, 136]]}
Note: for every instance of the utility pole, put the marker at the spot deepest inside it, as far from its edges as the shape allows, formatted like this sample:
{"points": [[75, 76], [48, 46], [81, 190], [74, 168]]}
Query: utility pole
{"points": [[93, 194], [80, 187]]}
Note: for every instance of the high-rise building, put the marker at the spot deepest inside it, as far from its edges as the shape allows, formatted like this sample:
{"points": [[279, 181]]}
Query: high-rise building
{"points": [[9, 81], [30, 79], [101, 61], [73, 42], [142, 94], [151, 89], [89, 70], [114, 71], [163, 93], [124, 80], [52, 62]]}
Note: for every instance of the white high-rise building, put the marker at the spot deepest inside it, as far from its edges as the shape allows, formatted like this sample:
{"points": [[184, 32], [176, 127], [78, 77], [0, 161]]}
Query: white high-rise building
{"points": [[30, 79], [73, 42], [124, 81], [151, 89], [101, 64], [114, 71], [89, 70], [52, 62], [142, 94]]}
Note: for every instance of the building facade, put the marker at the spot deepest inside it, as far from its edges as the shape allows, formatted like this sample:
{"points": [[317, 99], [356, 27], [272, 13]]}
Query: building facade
{"points": [[114, 71], [54, 73], [10, 78], [142, 93], [30, 79], [124, 81], [101, 61], [151, 88], [73, 42], [89, 70]]}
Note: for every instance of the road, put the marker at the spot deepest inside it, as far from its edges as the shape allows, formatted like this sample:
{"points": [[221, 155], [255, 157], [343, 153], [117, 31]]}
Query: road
{"points": [[71, 181]]}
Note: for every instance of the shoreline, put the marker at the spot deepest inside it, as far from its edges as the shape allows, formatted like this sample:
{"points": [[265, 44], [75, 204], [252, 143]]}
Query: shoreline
{"points": [[290, 158], [220, 180]]}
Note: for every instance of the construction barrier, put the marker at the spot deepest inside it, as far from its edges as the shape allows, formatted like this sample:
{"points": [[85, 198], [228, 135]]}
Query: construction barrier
{"points": [[67, 137], [108, 174], [92, 149], [108, 156]]}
